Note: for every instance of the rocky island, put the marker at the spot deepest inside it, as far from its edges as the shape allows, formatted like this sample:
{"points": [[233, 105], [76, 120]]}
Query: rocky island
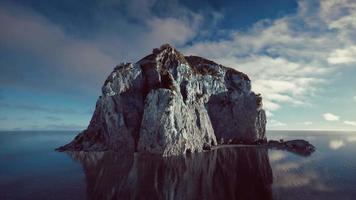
{"points": [[171, 104]]}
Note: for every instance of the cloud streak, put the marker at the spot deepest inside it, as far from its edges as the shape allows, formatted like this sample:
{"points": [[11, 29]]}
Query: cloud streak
{"points": [[54, 54], [331, 117], [352, 123], [36, 108], [307, 123], [290, 58], [276, 124]]}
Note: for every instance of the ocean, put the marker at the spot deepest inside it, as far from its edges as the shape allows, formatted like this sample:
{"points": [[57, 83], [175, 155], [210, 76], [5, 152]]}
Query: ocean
{"points": [[31, 169]]}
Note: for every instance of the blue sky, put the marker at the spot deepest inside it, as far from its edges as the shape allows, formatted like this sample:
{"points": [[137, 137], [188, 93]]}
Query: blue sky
{"points": [[300, 55]]}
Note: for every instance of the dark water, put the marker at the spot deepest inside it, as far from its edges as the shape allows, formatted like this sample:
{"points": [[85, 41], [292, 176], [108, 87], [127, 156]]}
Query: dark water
{"points": [[31, 169]]}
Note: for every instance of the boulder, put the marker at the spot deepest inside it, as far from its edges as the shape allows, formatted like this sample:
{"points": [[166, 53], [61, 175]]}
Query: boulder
{"points": [[300, 147]]}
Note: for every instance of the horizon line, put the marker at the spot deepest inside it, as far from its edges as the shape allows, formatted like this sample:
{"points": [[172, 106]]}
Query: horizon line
{"points": [[326, 130]]}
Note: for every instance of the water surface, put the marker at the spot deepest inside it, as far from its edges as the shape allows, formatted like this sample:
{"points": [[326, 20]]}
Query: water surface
{"points": [[31, 169]]}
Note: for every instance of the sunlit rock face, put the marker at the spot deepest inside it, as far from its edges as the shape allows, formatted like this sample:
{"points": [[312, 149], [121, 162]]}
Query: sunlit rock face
{"points": [[170, 104], [225, 173]]}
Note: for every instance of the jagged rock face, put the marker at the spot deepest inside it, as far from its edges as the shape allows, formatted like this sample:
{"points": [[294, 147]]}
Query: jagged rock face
{"points": [[170, 104], [170, 127]]}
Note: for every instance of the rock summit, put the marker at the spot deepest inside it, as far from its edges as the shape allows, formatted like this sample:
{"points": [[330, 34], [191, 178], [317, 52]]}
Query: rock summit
{"points": [[171, 104]]}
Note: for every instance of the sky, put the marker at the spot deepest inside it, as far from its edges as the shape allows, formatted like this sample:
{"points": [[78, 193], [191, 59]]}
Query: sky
{"points": [[299, 54]]}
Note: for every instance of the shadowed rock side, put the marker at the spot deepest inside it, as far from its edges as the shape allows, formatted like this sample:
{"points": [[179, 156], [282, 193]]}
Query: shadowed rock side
{"points": [[229, 173], [300, 147], [169, 104]]}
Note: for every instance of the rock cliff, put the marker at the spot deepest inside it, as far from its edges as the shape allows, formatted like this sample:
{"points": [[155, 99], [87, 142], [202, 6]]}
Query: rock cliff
{"points": [[171, 104]]}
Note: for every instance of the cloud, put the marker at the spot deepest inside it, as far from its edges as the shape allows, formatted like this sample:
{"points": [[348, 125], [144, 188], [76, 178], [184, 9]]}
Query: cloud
{"points": [[53, 54], [49, 127], [276, 123], [53, 118], [269, 113], [170, 30], [343, 56], [36, 108], [64, 126], [59, 58], [331, 117], [307, 123], [354, 98], [290, 58], [352, 123], [336, 144]]}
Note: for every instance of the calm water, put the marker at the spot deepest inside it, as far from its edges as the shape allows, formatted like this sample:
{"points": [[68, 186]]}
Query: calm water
{"points": [[31, 169]]}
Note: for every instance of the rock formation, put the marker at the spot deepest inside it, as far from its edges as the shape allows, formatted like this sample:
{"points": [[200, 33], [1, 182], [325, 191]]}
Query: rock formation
{"points": [[170, 104], [300, 147]]}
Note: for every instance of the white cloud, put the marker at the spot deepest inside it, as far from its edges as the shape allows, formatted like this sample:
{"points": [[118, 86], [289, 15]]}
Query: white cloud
{"points": [[307, 123], [290, 58], [270, 106], [171, 30], [276, 123], [343, 56], [336, 144], [331, 117], [269, 113], [352, 123], [354, 98]]}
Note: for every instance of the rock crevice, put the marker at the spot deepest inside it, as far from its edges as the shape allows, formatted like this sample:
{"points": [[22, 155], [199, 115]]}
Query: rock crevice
{"points": [[170, 104]]}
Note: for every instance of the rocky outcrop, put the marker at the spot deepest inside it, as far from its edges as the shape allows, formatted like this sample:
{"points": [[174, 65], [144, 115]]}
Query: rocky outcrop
{"points": [[170, 104], [300, 147]]}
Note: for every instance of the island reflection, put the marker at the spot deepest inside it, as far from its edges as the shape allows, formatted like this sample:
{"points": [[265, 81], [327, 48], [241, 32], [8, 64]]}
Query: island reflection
{"points": [[225, 173]]}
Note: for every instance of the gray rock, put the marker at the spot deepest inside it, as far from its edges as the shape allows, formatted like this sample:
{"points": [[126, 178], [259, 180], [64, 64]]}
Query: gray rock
{"points": [[300, 147], [171, 127], [169, 104]]}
